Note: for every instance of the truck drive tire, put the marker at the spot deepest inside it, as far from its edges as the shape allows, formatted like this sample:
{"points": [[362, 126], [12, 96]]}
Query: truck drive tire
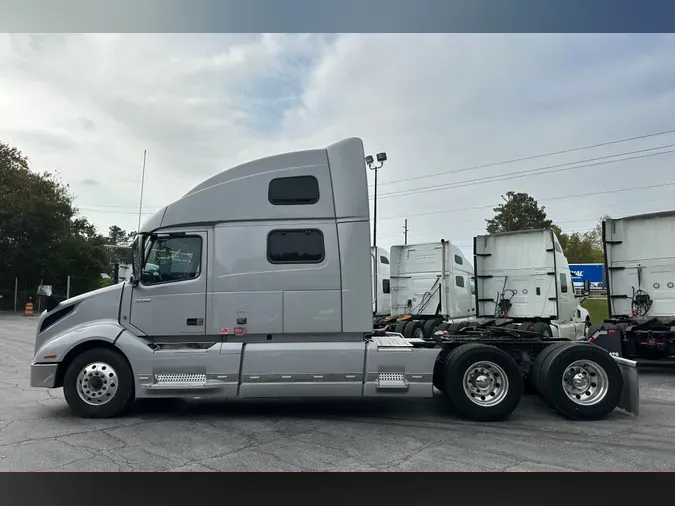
{"points": [[483, 383], [98, 384], [430, 325], [541, 328], [536, 377], [581, 381], [400, 326], [413, 328]]}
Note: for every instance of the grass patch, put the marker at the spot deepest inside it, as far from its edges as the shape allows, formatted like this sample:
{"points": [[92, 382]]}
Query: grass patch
{"points": [[597, 307]]}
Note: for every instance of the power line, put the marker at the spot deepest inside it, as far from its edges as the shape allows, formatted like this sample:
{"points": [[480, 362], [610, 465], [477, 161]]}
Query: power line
{"points": [[556, 222], [533, 157], [531, 172], [561, 197]]}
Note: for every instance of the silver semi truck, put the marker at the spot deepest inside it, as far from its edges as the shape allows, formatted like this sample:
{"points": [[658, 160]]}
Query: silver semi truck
{"points": [[257, 284]]}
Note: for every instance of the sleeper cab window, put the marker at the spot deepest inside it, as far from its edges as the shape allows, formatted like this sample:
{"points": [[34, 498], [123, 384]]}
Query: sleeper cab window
{"points": [[296, 190], [386, 286], [458, 260], [459, 281], [173, 259], [296, 246], [384, 260]]}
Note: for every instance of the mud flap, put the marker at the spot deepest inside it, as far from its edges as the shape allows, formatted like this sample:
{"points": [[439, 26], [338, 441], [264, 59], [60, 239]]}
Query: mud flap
{"points": [[630, 396]]}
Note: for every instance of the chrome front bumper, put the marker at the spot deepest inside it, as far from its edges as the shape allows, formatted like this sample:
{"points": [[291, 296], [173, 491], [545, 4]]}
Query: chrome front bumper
{"points": [[43, 375]]}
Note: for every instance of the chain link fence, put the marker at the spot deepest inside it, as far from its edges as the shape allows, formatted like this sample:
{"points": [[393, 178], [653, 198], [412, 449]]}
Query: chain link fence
{"points": [[14, 296]]}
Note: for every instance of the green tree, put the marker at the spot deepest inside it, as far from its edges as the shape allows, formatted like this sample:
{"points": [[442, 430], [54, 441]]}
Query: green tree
{"points": [[41, 234], [519, 212], [582, 248]]}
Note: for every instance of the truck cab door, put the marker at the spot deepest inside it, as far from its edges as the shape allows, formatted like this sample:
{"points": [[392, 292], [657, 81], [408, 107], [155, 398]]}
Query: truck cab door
{"points": [[170, 298]]}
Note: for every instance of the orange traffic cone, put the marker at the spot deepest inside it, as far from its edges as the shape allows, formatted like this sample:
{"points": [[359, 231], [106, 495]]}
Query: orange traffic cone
{"points": [[28, 310]]}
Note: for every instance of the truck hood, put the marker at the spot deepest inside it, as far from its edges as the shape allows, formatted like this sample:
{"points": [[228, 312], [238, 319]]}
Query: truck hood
{"points": [[101, 304]]}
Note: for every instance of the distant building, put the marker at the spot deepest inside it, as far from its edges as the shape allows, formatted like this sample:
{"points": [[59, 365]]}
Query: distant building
{"points": [[593, 273]]}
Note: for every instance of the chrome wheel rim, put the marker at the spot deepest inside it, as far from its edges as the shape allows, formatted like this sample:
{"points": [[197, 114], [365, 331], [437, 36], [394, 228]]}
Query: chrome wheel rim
{"points": [[418, 334], [585, 383], [485, 383], [97, 383]]}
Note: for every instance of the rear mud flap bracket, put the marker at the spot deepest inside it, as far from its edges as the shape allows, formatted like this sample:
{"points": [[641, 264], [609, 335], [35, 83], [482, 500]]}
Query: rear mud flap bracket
{"points": [[630, 396]]}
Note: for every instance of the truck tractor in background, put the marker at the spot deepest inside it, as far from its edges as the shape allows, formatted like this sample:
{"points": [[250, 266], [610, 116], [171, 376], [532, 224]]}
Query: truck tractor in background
{"points": [[431, 283], [381, 284], [640, 281], [262, 289]]}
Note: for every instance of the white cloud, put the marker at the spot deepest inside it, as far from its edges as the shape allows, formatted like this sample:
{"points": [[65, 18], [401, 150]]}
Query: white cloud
{"points": [[88, 105]]}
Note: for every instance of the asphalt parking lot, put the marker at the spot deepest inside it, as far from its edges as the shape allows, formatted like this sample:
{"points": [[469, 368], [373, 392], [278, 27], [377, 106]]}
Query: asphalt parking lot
{"points": [[37, 431]]}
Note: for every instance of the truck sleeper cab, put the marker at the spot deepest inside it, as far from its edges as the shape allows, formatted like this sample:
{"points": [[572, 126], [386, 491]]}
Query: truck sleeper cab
{"points": [[431, 283], [639, 267], [257, 283]]}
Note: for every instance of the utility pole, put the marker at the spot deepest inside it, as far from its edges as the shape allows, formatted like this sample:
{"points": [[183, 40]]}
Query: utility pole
{"points": [[140, 205], [405, 231], [381, 158]]}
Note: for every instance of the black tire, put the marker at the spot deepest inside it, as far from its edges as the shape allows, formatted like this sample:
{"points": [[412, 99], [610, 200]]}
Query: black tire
{"points": [[541, 328], [527, 326], [400, 326], [535, 377], [430, 325], [408, 329], [121, 398], [583, 353], [463, 358]]}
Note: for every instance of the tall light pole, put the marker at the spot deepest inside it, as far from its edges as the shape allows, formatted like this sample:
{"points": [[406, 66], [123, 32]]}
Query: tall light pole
{"points": [[381, 158]]}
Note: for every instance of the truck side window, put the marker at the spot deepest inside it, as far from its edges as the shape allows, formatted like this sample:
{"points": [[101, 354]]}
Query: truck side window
{"points": [[563, 282], [298, 190], [384, 260], [459, 281], [386, 286], [173, 259], [458, 260], [472, 284], [304, 246], [557, 248]]}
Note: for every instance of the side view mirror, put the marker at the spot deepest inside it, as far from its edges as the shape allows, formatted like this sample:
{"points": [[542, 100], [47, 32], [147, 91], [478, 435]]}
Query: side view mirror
{"points": [[45, 291]]}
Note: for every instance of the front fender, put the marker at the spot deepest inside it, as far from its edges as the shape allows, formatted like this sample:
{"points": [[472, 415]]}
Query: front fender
{"points": [[55, 349], [583, 313]]}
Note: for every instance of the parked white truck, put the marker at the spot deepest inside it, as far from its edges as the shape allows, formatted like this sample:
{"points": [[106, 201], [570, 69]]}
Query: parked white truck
{"points": [[524, 276], [381, 283], [431, 283], [640, 279], [263, 290]]}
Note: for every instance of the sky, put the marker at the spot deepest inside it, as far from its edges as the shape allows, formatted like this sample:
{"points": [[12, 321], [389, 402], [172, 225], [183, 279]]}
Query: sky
{"points": [[88, 105]]}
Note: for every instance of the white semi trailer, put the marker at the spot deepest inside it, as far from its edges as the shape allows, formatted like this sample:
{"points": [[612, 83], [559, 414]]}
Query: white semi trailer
{"points": [[640, 280], [262, 290]]}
